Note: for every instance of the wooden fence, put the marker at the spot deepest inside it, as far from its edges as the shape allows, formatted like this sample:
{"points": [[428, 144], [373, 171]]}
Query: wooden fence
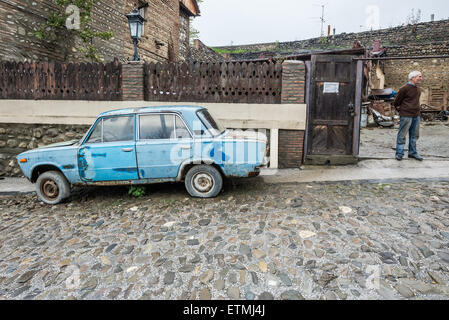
{"points": [[60, 81], [227, 82]]}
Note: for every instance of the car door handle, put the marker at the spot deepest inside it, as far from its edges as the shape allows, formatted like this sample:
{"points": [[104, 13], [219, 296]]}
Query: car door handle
{"points": [[186, 147], [127, 149]]}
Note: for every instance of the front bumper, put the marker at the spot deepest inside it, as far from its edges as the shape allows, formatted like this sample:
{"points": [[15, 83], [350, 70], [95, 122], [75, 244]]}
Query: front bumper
{"points": [[254, 173]]}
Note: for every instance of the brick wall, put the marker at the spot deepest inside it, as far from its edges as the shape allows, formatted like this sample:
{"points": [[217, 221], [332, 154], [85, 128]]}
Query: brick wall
{"points": [[291, 142], [291, 145], [162, 26], [133, 81], [160, 42], [293, 81]]}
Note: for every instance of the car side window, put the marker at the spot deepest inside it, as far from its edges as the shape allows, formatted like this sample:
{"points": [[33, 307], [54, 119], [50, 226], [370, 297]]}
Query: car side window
{"points": [[156, 126], [119, 128], [95, 136], [181, 130]]}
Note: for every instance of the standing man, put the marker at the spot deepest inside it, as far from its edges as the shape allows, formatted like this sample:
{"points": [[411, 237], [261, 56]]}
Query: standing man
{"points": [[407, 104]]}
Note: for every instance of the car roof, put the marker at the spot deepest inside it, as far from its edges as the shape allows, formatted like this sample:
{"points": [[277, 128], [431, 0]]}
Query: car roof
{"points": [[151, 109]]}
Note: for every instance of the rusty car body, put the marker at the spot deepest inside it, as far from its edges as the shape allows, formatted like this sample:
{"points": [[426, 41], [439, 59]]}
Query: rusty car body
{"points": [[147, 145]]}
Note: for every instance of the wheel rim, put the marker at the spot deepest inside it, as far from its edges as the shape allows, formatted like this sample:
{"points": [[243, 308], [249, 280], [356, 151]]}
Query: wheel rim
{"points": [[49, 190], [203, 182]]}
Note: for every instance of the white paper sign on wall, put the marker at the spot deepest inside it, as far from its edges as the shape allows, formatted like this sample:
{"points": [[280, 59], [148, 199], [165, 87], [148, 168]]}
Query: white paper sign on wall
{"points": [[331, 87]]}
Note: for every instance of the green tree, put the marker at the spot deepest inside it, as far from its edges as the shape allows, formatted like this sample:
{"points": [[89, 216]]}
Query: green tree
{"points": [[55, 28]]}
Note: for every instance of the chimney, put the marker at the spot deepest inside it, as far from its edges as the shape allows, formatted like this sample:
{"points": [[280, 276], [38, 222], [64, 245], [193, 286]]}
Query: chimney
{"points": [[196, 43], [432, 17], [334, 31], [329, 30]]}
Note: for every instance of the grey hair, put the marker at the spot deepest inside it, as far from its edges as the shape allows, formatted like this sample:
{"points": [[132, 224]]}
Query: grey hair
{"points": [[413, 74]]}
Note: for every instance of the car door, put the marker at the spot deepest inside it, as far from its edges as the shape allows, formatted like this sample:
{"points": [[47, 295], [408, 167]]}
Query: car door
{"points": [[164, 143], [109, 153]]}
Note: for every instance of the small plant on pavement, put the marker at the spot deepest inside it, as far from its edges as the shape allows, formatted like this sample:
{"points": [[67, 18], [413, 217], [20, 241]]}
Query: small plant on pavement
{"points": [[137, 191]]}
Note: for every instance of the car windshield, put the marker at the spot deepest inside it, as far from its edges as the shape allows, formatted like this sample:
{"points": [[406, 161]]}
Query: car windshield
{"points": [[214, 128]]}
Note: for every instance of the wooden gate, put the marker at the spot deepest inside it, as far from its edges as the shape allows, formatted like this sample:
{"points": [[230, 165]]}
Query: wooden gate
{"points": [[333, 120]]}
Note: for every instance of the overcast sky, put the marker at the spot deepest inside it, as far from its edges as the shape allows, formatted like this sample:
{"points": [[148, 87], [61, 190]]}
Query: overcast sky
{"points": [[226, 22]]}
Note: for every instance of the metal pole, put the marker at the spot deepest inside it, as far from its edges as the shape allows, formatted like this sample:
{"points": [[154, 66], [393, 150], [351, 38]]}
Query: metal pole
{"points": [[322, 20], [136, 55], [403, 58]]}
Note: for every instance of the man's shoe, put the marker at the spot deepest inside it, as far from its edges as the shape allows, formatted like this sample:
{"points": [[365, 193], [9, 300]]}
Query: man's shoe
{"points": [[398, 158], [416, 157]]}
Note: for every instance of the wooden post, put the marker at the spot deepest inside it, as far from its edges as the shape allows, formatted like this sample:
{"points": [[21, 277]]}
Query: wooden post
{"points": [[358, 108]]}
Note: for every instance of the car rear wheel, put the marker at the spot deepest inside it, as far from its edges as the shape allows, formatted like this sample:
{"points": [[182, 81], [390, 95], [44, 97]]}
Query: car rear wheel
{"points": [[203, 181], [52, 187]]}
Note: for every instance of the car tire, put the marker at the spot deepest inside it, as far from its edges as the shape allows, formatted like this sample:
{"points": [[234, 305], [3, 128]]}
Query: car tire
{"points": [[203, 181], [52, 187]]}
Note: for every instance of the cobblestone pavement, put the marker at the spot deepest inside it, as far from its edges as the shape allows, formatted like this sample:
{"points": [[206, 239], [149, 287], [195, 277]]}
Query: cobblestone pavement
{"points": [[380, 142], [254, 241]]}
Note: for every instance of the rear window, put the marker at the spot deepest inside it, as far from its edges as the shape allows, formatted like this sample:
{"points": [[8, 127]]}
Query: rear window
{"points": [[156, 126]]}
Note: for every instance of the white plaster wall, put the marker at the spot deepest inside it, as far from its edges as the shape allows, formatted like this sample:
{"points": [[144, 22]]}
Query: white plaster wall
{"points": [[244, 116]]}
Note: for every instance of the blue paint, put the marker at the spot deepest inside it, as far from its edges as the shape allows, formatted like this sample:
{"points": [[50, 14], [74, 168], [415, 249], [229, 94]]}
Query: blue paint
{"points": [[96, 155], [125, 169], [147, 161]]}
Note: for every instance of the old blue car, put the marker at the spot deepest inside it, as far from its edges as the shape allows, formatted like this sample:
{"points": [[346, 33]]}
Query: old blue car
{"points": [[147, 145]]}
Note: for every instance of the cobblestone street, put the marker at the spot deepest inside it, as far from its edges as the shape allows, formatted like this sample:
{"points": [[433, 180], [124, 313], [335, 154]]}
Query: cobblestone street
{"points": [[380, 142], [254, 241]]}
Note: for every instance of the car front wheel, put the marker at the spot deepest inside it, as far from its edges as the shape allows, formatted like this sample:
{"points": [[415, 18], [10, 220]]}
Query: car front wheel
{"points": [[203, 181], [52, 187]]}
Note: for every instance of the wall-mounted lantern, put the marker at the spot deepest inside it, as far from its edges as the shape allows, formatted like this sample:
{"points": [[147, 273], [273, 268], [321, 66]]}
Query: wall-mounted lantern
{"points": [[135, 21]]}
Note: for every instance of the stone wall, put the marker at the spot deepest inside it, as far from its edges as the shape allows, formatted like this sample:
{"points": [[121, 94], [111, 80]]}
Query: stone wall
{"points": [[199, 52], [19, 19], [17, 138], [426, 32], [108, 15], [184, 35], [435, 83], [160, 42], [435, 72]]}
